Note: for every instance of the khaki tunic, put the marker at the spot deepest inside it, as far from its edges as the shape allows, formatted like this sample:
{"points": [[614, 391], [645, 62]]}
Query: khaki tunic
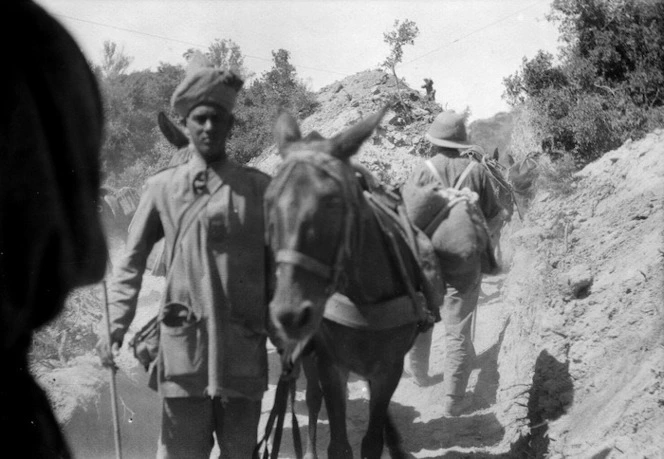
{"points": [[217, 276], [450, 169]]}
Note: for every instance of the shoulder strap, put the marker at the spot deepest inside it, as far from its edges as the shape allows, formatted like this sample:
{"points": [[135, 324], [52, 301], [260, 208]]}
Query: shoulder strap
{"points": [[461, 178], [433, 170], [464, 174], [186, 219]]}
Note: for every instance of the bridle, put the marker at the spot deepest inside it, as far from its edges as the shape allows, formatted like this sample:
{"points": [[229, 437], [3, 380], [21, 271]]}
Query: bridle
{"points": [[338, 171]]}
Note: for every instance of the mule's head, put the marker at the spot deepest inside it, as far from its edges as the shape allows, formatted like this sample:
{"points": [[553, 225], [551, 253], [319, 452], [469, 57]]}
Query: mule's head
{"points": [[312, 216], [523, 174], [503, 161]]}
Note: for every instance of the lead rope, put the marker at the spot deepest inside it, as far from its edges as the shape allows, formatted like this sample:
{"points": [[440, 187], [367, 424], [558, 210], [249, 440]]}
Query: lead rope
{"points": [[285, 392]]}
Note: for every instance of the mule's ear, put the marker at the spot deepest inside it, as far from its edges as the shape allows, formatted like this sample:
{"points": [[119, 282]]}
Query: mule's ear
{"points": [[286, 130], [173, 134], [510, 160], [349, 141]]}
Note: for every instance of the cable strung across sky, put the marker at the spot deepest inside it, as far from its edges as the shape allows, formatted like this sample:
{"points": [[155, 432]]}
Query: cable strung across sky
{"points": [[200, 46]]}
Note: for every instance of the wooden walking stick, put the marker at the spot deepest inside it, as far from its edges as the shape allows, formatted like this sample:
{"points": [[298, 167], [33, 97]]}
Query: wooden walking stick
{"points": [[113, 369]]}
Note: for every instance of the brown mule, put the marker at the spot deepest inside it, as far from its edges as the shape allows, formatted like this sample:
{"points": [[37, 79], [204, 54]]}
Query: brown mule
{"points": [[325, 239], [520, 177]]}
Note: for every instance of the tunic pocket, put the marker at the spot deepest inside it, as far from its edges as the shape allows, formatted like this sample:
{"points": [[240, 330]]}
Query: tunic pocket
{"points": [[183, 341]]}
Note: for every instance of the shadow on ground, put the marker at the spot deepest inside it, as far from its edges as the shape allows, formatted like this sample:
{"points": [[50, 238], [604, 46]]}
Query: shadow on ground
{"points": [[551, 393], [488, 378]]}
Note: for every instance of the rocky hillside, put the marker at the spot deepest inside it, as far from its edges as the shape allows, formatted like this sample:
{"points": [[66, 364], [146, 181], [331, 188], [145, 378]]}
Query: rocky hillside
{"points": [[392, 151], [582, 359]]}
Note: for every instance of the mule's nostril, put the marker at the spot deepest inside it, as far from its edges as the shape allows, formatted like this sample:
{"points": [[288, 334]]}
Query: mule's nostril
{"points": [[305, 314], [296, 322]]}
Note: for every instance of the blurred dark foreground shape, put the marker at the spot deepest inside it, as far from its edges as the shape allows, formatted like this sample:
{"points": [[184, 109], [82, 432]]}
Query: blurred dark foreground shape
{"points": [[51, 240]]}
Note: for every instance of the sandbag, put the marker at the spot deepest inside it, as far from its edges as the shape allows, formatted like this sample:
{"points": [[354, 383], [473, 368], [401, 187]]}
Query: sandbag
{"points": [[462, 242], [454, 223], [422, 202]]}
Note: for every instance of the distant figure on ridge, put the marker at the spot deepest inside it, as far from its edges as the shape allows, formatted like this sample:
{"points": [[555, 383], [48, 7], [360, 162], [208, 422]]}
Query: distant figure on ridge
{"points": [[428, 87]]}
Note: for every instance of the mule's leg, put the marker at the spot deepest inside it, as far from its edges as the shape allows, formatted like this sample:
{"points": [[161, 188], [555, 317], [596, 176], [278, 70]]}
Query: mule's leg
{"points": [[334, 383], [393, 439], [314, 401], [382, 387]]}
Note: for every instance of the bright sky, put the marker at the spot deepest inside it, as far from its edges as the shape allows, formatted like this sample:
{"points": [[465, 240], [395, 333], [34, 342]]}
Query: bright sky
{"points": [[466, 46]]}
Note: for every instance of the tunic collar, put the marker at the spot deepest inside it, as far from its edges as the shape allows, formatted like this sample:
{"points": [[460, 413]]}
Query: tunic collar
{"points": [[217, 171]]}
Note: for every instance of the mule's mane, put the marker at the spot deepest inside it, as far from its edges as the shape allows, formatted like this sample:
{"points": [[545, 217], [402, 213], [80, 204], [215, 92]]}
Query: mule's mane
{"points": [[313, 135]]}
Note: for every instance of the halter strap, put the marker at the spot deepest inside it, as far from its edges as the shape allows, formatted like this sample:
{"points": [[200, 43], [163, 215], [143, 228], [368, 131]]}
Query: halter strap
{"points": [[306, 262], [331, 273]]}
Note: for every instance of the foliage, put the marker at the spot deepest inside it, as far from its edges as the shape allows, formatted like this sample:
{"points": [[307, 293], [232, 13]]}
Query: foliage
{"points": [[491, 133], [604, 87], [403, 33], [131, 103], [114, 61], [134, 148], [258, 104], [224, 53], [524, 138]]}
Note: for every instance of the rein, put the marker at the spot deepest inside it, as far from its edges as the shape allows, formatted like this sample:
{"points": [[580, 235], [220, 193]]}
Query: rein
{"points": [[285, 393]]}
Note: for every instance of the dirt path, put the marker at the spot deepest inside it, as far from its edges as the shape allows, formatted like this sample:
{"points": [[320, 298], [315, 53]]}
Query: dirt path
{"points": [[417, 410]]}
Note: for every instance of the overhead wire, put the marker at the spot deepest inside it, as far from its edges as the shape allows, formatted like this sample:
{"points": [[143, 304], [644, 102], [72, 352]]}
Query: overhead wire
{"points": [[470, 33], [198, 45]]}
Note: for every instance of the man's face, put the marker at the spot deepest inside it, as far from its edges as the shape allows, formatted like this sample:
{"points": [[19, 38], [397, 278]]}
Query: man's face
{"points": [[208, 127]]}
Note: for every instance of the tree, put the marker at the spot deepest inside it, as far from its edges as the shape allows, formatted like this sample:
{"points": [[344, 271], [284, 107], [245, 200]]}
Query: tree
{"points": [[114, 61], [403, 33], [224, 53], [258, 104], [281, 78], [131, 103], [604, 87]]}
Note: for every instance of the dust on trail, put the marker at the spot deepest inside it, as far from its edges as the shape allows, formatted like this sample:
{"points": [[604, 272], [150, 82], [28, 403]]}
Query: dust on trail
{"points": [[417, 410]]}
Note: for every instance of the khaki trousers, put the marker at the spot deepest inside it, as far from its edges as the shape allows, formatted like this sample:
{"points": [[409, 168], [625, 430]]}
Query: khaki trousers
{"points": [[188, 425], [461, 300], [460, 303]]}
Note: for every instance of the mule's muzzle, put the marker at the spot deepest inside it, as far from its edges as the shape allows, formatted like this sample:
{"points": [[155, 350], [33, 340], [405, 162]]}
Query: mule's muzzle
{"points": [[296, 323]]}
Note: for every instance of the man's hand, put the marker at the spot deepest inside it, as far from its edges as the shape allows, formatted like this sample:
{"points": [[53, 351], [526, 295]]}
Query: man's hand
{"points": [[108, 353]]}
